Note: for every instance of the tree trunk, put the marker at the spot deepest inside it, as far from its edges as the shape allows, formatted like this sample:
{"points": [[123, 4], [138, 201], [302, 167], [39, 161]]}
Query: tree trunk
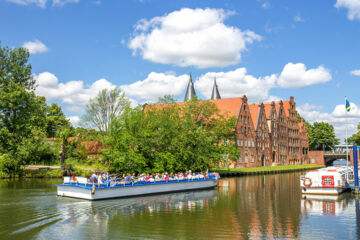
{"points": [[62, 158]]}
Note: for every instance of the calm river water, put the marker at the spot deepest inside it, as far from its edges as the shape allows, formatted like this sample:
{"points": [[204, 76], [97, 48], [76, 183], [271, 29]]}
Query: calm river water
{"points": [[255, 207]]}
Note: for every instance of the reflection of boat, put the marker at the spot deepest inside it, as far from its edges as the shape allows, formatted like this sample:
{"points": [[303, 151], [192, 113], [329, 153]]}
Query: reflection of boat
{"points": [[328, 181], [323, 205], [81, 188]]}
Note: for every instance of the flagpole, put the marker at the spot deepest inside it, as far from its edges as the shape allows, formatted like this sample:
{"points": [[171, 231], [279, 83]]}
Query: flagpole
{"points": [[346, 132]]}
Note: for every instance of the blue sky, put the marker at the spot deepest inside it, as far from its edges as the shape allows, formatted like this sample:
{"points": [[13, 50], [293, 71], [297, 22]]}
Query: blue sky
{"points": [[268, 50]]}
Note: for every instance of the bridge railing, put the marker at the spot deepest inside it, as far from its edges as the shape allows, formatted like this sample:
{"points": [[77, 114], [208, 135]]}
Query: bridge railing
{"points": [[337, 152]]}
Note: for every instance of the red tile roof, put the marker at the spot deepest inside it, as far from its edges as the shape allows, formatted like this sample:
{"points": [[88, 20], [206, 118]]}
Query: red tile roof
{"points": [[254, 111], [92, 147], [267, 107], [230, 106]]}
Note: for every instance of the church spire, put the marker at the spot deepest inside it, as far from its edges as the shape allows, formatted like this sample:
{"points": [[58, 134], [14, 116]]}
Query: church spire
{"points": [[215, 92], [190, 91]]}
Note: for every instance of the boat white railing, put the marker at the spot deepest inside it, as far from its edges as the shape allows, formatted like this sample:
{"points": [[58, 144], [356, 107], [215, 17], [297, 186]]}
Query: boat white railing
{"points": [[82, 181]]}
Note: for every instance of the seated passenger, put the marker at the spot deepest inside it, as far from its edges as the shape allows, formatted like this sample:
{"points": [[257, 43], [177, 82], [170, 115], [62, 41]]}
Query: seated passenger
{"points": [[157, 178], [128, 178], [189, 176], [152, 178], [181, 176], [93, 178]]}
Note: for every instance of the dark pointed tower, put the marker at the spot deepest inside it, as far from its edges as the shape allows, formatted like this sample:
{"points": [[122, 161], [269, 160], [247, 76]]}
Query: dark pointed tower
{"points": [[215, 92], [190, 91]]}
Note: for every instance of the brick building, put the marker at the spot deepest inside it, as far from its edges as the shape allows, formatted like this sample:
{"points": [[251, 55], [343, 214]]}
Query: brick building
{"points": [[267, 133]]}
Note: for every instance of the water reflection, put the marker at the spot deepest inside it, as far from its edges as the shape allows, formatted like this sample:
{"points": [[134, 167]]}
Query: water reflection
{"points": [[256, 207], [325, 205]]}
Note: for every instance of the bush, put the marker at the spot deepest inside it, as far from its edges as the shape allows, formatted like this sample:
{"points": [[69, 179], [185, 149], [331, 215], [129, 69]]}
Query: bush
{"points": [[35, 151], [9, 165]]}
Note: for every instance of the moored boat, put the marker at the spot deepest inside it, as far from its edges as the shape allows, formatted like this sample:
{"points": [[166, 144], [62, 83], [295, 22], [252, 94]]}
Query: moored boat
{"points": [[327, 181], [83, 189]]}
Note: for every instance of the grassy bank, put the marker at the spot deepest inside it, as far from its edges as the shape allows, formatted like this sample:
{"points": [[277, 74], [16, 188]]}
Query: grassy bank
{"points": [[264, 170], [46, 173]]}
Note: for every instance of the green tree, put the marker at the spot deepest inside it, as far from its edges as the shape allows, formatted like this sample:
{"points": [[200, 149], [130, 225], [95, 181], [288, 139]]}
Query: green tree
{"points": [[64, 135], [87, 134], [22, 113], [355, 138], [102, 110], [55, 120], [170, 137], [321, 136], [23, 116]]}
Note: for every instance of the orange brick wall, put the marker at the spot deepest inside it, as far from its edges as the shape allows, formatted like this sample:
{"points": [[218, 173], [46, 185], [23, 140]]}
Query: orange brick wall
{"points": [[317, 157]]}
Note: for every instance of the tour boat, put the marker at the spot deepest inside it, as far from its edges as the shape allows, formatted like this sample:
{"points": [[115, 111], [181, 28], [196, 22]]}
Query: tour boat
{"points": [[83, 189], [328, 181]]}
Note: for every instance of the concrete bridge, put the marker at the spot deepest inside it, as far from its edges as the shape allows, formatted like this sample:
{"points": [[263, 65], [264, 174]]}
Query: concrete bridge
{"points": [[331, 156]]}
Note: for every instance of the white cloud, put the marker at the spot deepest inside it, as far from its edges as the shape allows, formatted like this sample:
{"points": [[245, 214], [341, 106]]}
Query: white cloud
{"points": [[61, 3], [265, 5], [42, 3], [296, 75], [191, 37], [35, 47], [39, 3], [337, 118], [156, 85], [73, 93], [298, 18], [355, 72], [75, 120], [236, 83], [353, 7]]}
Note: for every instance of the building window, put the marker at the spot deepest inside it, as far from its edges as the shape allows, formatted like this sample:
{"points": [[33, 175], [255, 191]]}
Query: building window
{"points": [[245, 143], [238, 142], [312, 160], [240, 160], [241, 143], [245, 158], [252, 159]]}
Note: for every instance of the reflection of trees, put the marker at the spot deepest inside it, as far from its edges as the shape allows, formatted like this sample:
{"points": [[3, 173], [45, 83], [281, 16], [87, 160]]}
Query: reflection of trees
{"points": [[248, 207], [263, 206]]}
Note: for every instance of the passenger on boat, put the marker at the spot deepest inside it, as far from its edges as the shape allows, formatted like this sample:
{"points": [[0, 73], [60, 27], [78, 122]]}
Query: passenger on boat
{"points": [[128, 178], [93, 178], [189, 176]]}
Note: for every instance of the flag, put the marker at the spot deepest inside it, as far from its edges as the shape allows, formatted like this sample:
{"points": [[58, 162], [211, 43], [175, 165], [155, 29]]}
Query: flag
{"points": [[347, 106]]}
